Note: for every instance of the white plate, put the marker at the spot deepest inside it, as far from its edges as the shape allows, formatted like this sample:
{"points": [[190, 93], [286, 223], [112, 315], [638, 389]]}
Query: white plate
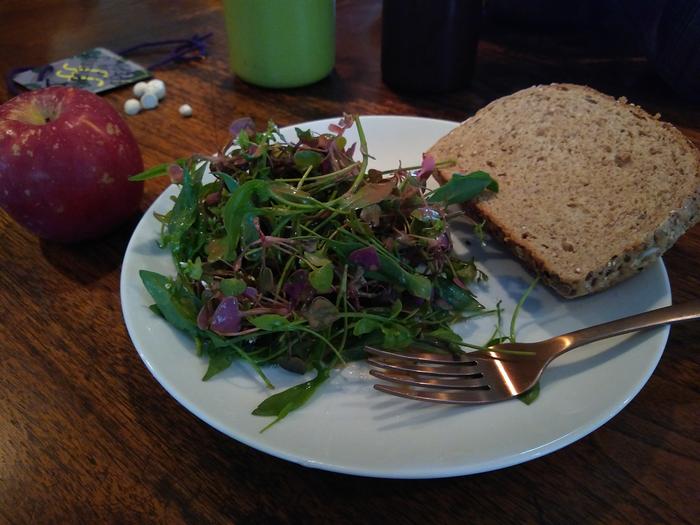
{"points": [[349, 427]]}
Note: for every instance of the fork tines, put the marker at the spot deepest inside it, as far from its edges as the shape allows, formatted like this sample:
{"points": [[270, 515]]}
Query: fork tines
{"points": [[450, 382], [423, 371]]}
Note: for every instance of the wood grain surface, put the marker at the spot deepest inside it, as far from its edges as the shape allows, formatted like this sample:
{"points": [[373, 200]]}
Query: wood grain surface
{"points": [[88, 436]]}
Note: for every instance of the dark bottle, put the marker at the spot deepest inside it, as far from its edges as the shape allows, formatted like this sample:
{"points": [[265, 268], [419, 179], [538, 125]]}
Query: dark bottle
{"points": [[429, 46]]}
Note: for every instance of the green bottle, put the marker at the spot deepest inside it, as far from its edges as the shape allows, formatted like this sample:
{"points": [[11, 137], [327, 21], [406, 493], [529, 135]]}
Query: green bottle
{"points": [[281, 43]]}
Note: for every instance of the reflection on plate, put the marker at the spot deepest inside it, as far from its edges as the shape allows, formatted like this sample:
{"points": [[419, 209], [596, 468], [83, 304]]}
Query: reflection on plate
{"points": [[351, 428]]}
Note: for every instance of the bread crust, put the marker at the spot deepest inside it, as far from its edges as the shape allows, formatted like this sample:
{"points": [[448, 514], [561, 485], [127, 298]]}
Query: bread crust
{"points": [[632, 253]]}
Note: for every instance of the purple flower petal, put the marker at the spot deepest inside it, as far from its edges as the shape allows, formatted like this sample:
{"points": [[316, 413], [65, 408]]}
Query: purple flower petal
{"points": [[227, 317], [238, 125], [366, 257]]}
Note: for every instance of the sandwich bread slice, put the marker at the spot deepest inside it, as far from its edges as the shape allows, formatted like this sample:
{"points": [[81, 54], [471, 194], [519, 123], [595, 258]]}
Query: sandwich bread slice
{"points": [[592, 189]]}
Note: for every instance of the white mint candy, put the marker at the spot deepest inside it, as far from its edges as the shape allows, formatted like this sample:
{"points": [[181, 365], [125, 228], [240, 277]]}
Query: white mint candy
{"points": [[149, 100], [132, 106], [185, 110], [140, 88], [157, 87]]}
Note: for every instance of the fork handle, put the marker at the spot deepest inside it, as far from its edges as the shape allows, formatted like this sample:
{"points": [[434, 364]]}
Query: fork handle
{"points": [[667, 315]]}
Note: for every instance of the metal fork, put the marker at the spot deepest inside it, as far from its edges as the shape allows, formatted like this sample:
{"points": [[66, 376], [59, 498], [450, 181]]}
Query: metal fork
{"points": [[494, 374]]}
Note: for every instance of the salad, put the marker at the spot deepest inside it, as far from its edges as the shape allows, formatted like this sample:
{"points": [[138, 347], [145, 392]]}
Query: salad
{"points": [[296, 254]]}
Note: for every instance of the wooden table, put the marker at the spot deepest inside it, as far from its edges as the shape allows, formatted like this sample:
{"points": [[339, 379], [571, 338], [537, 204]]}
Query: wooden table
{"points": [[88, 436]]}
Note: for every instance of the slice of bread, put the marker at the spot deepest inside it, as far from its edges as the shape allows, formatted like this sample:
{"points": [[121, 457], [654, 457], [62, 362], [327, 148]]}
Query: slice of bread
{"points": [[592, 189]]}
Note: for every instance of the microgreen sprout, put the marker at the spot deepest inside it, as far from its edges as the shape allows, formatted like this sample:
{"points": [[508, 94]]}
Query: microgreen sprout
{"points": [[299, 255]]}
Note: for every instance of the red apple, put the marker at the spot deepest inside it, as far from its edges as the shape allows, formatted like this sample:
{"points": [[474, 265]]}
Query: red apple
{"points": [[65, 157]]}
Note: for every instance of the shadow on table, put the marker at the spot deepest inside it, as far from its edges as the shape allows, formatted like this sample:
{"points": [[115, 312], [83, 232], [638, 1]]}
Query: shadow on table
{"points": [[86, 262]]}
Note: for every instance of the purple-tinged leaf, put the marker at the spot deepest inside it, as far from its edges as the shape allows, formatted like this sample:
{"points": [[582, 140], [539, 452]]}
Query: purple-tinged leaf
{"points": [[343, 124], [298, 288], [213, 198], [366, 257], [351, 150], [321, 313], [426, 167], [411, 301], [405, 238], [250, 293], [241, 124], [441, 303], [443, 242], [374, 176], [370, 193], [293, 363], [176, 173], [371, 214], [227, 317], [204, 316]]}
